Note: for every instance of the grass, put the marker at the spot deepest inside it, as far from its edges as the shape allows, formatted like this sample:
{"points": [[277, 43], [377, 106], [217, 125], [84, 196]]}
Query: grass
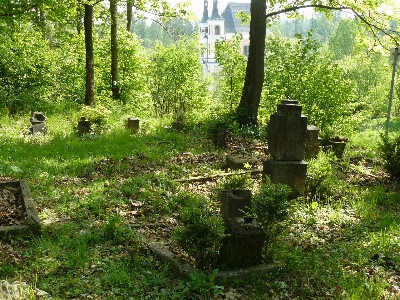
{"points": [[89, 190]]}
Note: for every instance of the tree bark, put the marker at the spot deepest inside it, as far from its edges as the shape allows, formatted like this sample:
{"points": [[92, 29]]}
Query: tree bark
{"points": [[129, 7], [247, 110], [88, 24], [114, 50]]}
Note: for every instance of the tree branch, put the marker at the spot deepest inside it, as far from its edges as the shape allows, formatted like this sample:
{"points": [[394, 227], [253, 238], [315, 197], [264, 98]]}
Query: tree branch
{"points": [[21, 11], [373, 27]]}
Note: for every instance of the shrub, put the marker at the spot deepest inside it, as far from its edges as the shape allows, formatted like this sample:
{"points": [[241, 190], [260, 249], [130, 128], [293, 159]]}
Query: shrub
{"points": [[390, 152], [201, 232], [270, 207], [320, 176], [97, 115]]}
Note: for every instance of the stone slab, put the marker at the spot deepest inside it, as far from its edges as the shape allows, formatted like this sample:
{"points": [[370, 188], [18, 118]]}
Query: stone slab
{"points": [[238, 163], [32, 222], [182, 268]]}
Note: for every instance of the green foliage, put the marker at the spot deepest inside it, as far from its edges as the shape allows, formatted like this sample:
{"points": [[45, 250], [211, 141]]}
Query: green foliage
{"points": [[97, 115], [270, 206], [390, 153], [200, 283], [229, 55], [235, 182], [297, 70], [344, 40], [176, 78], [117, 230], [26, 67], [321, 178], [201, 233], [133, 70]]}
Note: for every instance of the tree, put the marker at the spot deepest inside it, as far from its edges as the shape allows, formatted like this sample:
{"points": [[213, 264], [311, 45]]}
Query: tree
{"points": [[366, 11], [247, 110], [88, 24], [114, 50]]}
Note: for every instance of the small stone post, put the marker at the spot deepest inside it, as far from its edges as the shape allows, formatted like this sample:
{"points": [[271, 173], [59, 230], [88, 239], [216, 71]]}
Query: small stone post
{"points": [[38, 121], [133, 125], [83, 125]]}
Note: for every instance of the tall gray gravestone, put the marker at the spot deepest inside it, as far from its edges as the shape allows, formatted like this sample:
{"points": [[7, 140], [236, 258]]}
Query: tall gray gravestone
{"points": [[287, 145]]}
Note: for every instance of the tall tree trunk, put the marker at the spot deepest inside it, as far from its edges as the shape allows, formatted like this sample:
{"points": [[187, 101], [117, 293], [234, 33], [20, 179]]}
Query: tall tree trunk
{"points": [[88, 24], [114, 50], [129, 7], [247, 110]]}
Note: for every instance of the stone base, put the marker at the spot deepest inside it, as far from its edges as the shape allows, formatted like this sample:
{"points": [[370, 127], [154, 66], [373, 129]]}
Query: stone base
{"points": [[243, 245], [31, 222], [234, 203], [237, 163], [337, 148], [38, 128], [291, 173]]}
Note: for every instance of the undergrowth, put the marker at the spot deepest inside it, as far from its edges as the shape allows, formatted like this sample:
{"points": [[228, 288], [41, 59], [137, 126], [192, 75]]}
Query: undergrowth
{"points": [[339, 241]]}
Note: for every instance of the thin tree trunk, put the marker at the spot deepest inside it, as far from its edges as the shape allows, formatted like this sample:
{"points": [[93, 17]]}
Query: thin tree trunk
{"points": [[129, 7], [114, 50], [247, 110], [88, 24]]}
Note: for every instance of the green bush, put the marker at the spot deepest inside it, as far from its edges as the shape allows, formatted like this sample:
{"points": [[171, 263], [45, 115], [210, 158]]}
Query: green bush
{"points": [[320, 176], [97, 115], [390, 152], [270, 207], [201, 232]]}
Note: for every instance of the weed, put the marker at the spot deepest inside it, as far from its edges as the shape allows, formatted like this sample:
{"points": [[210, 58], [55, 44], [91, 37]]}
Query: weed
{"points": [[201, 284], [201, 233]]}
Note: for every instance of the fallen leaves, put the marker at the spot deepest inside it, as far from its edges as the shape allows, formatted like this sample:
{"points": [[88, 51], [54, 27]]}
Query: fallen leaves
{"points": [[11, 208]]}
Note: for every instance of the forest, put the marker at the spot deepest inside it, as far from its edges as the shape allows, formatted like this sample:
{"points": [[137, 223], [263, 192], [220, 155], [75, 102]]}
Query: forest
{"points": [[110, 196]]}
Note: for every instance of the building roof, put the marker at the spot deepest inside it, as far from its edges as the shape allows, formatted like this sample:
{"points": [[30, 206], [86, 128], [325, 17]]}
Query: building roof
{"points": [[233, 24]]}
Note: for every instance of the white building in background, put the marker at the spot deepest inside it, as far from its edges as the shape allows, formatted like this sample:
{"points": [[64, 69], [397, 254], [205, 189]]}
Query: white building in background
{"points": [[224, 26]]}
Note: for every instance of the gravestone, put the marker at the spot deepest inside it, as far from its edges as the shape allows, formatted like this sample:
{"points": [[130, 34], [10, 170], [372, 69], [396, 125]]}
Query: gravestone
{"points": [[337, 145], [133, 124], [313, 142], [38, 123], [242, 247], [234, 203], [83, 126], [287, 145]]}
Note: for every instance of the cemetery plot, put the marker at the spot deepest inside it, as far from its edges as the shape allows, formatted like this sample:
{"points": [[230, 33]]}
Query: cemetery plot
{"points": [[17, 210]]}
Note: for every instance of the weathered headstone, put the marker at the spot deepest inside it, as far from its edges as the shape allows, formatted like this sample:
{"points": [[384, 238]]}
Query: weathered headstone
{"points": [[177, 125], [83, 126], [133, 124], [242, 247], [287, 146], [337, 145], [38, 123], [313, 142], [234, 203]]}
